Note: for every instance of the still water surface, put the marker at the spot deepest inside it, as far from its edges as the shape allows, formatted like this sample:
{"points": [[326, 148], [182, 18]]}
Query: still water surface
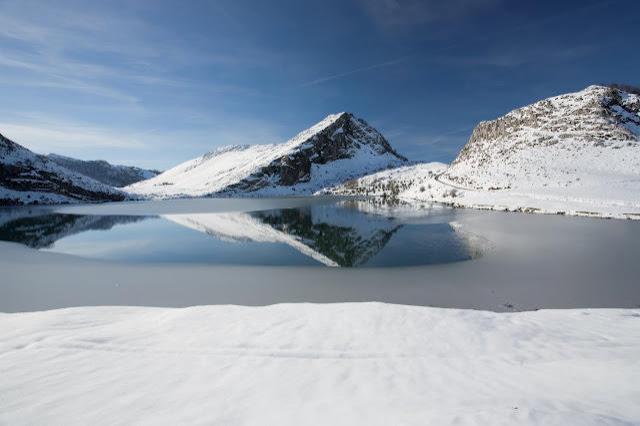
{"points": [[335, 234], [259, 252]]}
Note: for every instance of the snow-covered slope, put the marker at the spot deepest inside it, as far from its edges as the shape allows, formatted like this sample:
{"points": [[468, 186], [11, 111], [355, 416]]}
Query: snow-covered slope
{"points": [[392, 183], [577, 153], [29, 178], [584, 139], [338, 148], [319, 364], [109, 174]]}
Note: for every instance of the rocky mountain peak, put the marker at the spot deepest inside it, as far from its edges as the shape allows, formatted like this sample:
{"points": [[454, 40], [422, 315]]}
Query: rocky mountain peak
{"points": [[338, 137], [8, 146], [345, 131]]}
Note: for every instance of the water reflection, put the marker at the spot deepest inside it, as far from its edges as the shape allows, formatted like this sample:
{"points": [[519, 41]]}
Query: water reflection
{"points": [[42, 231], [338, 235]]}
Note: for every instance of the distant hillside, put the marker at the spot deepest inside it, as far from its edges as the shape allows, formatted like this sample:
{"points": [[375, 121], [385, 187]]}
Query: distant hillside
{"points": [[104, 172]]}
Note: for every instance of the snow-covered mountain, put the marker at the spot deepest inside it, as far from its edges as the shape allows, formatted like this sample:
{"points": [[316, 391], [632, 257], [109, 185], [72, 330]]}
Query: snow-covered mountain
{"points": [[577, 153], [29, 178], [100, 170], [591, 135], [338, 148]]}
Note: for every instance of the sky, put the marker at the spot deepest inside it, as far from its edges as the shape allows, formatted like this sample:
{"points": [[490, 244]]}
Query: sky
{"points": [[156, 82]]}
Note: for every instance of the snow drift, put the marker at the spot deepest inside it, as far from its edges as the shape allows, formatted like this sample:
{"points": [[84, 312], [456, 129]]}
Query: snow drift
{"points": [[338, 364]]}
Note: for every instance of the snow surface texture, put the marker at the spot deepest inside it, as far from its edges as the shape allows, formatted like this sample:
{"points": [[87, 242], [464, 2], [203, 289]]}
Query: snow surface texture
{"points": [[109, 174], [28, 178], [575, 154], [306, 364], [338, 148]]}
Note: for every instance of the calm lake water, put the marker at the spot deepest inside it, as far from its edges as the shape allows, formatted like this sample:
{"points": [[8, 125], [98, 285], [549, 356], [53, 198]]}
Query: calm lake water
{"points": [[339, 234], [314, 249]]}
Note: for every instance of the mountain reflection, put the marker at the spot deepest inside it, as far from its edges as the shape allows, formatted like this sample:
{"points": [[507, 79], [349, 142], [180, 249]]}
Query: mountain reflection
{"points": [[345, 245], [42, 231], [330, 235], [337, 235]]}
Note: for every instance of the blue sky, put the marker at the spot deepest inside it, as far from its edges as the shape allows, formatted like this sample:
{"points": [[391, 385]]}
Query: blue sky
{"points": [[154, 83]]}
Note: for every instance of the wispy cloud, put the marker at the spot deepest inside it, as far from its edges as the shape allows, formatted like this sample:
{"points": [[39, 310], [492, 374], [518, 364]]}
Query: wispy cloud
{"points": [[45, 133], [405, 13], [443, 138], [83, 47], [512, 57], [122, 73], [353, 71], [46, 136]]}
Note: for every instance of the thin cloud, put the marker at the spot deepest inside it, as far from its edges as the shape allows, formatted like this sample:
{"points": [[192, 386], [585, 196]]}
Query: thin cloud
{"points": [[47, 136], [515, 58], [44, 45], [444, 138], [504, 60], [353, 71]]}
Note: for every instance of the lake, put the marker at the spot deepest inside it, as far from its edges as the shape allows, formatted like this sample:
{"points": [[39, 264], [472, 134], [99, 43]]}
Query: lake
{"points": [[339, 234], [316, 249]]}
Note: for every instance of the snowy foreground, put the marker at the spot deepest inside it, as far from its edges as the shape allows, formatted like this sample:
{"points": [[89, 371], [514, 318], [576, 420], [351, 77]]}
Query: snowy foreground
{"points": [[298, 364]]}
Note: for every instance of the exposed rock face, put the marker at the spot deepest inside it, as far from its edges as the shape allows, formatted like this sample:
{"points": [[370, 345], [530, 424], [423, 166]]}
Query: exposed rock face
{"points": [[338, 148], [28, 178], [340, 140], [109, 174], [560, 133]]}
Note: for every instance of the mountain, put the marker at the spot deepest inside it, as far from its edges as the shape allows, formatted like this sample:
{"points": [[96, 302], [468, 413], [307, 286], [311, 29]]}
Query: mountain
{"points": [[338, 148], [109, 174], [591, 135], [29, 178], [577, 153]]}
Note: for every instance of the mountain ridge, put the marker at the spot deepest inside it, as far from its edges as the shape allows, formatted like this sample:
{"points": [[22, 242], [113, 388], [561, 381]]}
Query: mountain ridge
{"points": [[576, 153], [30, 178], [110, 174], [337, 148]]}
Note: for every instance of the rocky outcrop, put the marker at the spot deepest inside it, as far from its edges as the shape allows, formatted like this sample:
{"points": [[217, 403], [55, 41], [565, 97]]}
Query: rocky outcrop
{"points": [[109, 174], [502, 151]]}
